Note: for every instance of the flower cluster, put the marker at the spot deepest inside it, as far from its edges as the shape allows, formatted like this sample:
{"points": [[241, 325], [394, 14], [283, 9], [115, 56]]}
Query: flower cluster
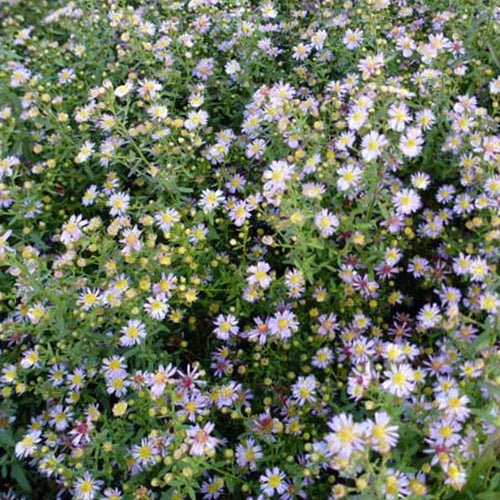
{"points": [[249, 249]]}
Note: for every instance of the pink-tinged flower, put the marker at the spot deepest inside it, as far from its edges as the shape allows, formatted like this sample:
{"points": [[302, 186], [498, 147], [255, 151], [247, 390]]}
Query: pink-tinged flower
{"points": [[200, 440], [260, 331], [148, 88], [191, 380], [204, 69], [327, 324], [81, 432]]}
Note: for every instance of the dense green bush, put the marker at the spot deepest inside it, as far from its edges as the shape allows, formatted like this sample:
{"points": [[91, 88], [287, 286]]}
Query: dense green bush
{"points": [[249, 249]]}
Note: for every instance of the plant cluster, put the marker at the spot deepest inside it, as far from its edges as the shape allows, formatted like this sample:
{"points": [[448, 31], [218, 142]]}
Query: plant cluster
{"points": [[249, 249]]}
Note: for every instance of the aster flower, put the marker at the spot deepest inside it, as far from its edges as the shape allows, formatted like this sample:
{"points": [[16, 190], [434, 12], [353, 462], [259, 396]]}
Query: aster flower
{"points": [[429, 316], [352, 39], [346, 436], [356, 119], [456, 476], [225, 326], [212, 488], [407, 201], [277, 175], [454, 405], [60, 417], [399, 116], [273, 481], [28, 444], [372, 145], [118, 202], [400, 380], [196, 119], [239, 213], [383, 436], [193, 405], [86, 487], [303, 391], [210, 199], [86, 151], [283, 324], [131, 240], [248, 453], [144, 453], [258, 274], [157, 306], [132, 333], [89, 298], [326, 222], [122, 90], [200, 440], [323, 358], [445, 432], [167, 218], [348, 176], [158, 381], [149, 88], [395, 485]]}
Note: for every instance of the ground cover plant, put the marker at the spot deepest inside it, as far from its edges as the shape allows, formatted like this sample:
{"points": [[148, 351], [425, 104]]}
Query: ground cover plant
{"points": [[249, 250]]}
